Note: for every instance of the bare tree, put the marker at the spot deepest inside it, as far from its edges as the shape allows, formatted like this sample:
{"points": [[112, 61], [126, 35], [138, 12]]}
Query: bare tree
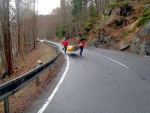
{"points": [[18, 26], [34, 27], [6, 35], [19, 51]]}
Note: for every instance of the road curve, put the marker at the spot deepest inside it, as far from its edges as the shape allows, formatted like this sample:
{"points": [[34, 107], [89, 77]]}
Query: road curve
{"points": [[102, 81]]}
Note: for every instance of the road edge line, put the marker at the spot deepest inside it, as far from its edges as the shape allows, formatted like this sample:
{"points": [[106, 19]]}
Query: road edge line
{"points": [[42, 109], [110, 59]]}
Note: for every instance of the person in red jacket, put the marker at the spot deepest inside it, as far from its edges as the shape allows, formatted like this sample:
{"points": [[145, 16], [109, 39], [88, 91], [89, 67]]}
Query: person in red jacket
{"points": [[65, 44], [81, 43]]}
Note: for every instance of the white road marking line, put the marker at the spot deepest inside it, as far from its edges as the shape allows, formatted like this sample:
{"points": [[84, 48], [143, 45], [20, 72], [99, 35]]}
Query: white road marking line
{"points": [[110, 59], [146, 56], [55, 90], [117, 62]]}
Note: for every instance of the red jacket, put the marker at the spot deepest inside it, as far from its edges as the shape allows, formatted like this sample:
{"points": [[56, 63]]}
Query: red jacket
{"points": [[82, 43], [65, 42]]}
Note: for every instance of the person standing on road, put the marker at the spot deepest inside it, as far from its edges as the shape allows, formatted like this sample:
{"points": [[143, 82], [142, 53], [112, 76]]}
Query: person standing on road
{"points": [[81, 44], [65, 44]]}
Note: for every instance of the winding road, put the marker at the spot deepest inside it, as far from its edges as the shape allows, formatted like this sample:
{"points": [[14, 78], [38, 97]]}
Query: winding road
{"points": [[102, 81]]}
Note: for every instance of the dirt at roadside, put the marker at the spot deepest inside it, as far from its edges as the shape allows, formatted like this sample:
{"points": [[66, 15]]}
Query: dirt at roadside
{"points": [[20, 101]]}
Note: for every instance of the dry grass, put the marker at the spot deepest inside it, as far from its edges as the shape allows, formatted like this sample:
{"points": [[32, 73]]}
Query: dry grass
{"points": [[26, 96], [42, 52], [119, 35]]}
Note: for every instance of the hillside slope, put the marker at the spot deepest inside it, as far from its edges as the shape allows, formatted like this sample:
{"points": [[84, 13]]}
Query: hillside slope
{"points": [[126, 32]]}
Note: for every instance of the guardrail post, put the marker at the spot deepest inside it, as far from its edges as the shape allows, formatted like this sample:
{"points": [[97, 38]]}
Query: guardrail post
{"points": [[49, 73], [37, 81], [6, 105]]}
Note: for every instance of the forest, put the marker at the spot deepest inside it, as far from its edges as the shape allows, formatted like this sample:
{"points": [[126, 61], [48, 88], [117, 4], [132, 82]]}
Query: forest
{"points": [[18, 32]]}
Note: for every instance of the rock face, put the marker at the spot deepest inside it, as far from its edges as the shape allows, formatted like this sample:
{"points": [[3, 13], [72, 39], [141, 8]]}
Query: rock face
{"points": [[135, 45], [98, 40], [146, 5], [142, 46], [124, 47], [147, 47], [145, 30]]}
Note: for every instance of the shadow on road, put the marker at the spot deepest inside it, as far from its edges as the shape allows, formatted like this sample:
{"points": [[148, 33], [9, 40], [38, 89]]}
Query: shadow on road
{"points": [[74, 55]]}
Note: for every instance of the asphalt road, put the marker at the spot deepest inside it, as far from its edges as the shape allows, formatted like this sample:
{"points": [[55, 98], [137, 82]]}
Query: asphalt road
{"points": [[102, 81]]}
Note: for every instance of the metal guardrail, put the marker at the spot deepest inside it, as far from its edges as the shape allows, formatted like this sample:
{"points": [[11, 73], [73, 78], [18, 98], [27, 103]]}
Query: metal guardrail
{"points": [[16, 84]]}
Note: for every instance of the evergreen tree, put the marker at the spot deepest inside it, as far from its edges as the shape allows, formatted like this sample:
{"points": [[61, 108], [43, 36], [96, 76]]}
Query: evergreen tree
{"points": [[92, 10]]}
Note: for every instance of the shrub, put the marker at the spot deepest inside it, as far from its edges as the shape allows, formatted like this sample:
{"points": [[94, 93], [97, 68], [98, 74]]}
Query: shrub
{"points": [[146, 12], [125, 33], [87, 26], [118, 3], [142, 21], [146, 2], [94, 20], [92, 10], [113, 4], [60, 31], [144, 18]]}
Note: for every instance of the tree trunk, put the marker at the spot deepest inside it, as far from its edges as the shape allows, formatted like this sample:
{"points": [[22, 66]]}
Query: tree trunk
{"points": [[34, 39], [97, 7], [7, 36], [19, 52]]}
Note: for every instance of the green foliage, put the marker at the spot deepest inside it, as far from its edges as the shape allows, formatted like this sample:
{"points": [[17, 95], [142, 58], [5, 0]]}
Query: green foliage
{"points": [[146, 2], [87, 26], [92, 10], [74, 10], [48, 35], [60, 31], [118, 3], [144, 18], [97, 31], [125, 33], [76, 6], [94, 20], [113, 4], [146, 12], [57, 33], [122, 3], [142, 21]]}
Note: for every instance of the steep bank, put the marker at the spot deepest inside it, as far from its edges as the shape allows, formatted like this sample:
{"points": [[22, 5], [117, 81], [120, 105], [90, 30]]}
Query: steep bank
{"points": [[128, 31]]}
